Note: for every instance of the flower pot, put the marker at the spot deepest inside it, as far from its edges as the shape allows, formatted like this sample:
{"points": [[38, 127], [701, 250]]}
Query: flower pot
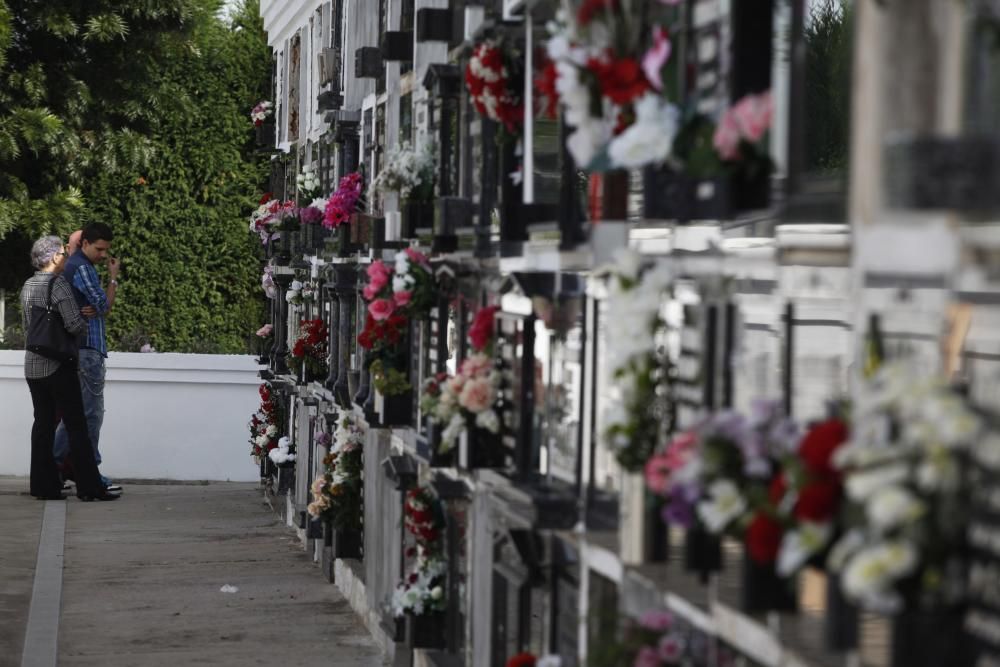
{"points": [[750, 190], [764, 590], [395, 410], [479, 448], [840, 624], [702, 552], [426, 630], [347, 543], [928, 638]]}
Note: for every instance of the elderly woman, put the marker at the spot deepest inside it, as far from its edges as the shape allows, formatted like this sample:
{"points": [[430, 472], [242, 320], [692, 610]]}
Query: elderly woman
{"points": [[54, 386]]}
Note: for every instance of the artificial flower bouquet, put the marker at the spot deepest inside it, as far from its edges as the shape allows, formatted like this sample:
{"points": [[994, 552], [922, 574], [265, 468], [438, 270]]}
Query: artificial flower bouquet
{"points": [[337, 492], [423, 588], [494, 81], [307, 182], [309, 351], [261, 112], [905, 538], [265, 424], [300, 293], [272, 216], [526, 659], [394, 297], [609, 63], [467, 399], [408, 171], [343, 203], [637, 363]]}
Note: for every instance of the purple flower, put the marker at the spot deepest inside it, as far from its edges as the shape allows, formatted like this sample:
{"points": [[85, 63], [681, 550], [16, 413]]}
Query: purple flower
{"points": [[763, 411], [679, 511], [310, 215]]}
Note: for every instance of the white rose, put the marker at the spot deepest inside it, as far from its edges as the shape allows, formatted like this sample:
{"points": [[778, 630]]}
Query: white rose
{"points": [[437, 593], [893, 506]]}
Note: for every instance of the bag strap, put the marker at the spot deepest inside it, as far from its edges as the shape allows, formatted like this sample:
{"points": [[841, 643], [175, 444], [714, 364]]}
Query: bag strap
{"points": [[48, 295]]}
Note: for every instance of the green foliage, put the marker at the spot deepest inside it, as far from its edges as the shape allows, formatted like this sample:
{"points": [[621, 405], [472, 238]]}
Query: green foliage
{"points": [[140, 122], [828, 35]]}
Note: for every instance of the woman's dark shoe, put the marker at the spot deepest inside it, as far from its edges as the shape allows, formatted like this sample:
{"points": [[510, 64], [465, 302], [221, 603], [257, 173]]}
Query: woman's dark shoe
{"points": [[102, 496]]}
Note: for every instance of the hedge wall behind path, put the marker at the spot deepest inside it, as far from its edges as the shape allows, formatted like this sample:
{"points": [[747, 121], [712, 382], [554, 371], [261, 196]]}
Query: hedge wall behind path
{"points": [[190, 269]]}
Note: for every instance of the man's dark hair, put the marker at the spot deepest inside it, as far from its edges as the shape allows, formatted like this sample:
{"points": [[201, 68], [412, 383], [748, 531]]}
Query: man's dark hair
{"points": [[97, 231]]}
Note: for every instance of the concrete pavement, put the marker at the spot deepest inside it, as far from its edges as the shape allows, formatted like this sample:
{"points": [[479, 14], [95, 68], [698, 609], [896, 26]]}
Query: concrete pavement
{"points": [[142, 580]]}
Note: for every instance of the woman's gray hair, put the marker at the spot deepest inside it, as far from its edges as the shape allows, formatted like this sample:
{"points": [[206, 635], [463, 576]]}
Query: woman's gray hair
{"points": [[44, 249]]}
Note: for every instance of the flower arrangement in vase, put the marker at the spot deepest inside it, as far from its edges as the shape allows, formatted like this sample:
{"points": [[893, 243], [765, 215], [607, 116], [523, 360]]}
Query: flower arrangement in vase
{"points": [[271, 216], [610, 85], [394, 297], [307, 182], [265, 424], [467, 399], [422, 590], [337, 491], [904, 538], [343, 203], [638, 367], [494, 82], [309, 351], [261, 112], [408, 171]]}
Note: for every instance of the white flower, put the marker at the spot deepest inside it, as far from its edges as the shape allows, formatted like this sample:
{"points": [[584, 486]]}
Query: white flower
{"points": [[451, 432], [549, 661], [296, 286], [870, 574], [649, 139], [798, 546], [585, 142], [272, 430], [398, 283], [628, 263], [724, 504], [892, 506], [861, 485], [488, 420], [437, 593]]}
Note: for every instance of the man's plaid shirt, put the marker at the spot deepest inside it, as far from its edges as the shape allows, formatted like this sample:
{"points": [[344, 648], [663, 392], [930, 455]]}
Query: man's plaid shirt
{"points": [[33, 294], [87, 285]]}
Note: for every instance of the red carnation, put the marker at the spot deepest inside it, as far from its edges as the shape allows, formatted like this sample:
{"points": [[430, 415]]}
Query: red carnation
{"points": [[763, 538], [481, 331], [545, 84], [819, 444], [622, 80], [818, 500], [776, 491], [522, 660], [263, 200]]}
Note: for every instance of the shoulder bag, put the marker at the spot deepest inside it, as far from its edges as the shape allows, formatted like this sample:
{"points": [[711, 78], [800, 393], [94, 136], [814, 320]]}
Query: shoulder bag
{"points": [[47, 333]]}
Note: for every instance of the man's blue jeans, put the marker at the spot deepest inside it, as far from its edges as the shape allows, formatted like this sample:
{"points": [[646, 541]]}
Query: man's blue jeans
{"points": [[92, 387]]}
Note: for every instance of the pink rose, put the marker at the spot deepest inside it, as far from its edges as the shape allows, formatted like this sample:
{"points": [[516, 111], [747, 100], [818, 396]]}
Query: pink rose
{"points": [[656, 620], [416, 256], [476, 396], [381, 309], [680, 450], [455, 384], [727, 137], [646, 657], [476, 365], [265, 330], [657, 55], [752, 115], [402, 298], [378, 274], [657, 472], [369, 292], [671, 648]]}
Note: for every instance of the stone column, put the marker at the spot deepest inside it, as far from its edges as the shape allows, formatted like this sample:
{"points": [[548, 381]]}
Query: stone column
{"points": [[282, 281], [332, 325], [346, 294]]}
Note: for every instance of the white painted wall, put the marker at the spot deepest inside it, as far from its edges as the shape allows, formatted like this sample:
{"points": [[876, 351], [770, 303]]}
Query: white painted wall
{"points": [[168, 416]]}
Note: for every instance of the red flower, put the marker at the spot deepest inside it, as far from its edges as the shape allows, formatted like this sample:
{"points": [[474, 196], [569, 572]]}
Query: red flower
{"points": [[818, 500], [545, 84], [763, 538], [481, 331], [776, 491], [622, 80], [263, 200], [819, 444], [592, 7]]}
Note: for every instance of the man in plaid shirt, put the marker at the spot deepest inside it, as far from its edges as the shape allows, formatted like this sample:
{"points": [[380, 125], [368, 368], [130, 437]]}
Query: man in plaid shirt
{"points": [[95, 245]]}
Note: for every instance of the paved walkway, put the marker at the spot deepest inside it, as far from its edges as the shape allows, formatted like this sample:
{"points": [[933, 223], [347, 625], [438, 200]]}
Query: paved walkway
{"points": [[142, 576]]}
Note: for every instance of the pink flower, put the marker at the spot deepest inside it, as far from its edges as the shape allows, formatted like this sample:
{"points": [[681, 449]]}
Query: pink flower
{"points": [[671, 648], [656, 620], [416, 256], [378, 274], [265, 330], [752, 115], [657, 473], [657, 55], [670, 2], [727, 137], [402, 298], [646, 657], [477, 395], [476, 365], [680, 450], [369, 292], [455, 384], [381, 309]]}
